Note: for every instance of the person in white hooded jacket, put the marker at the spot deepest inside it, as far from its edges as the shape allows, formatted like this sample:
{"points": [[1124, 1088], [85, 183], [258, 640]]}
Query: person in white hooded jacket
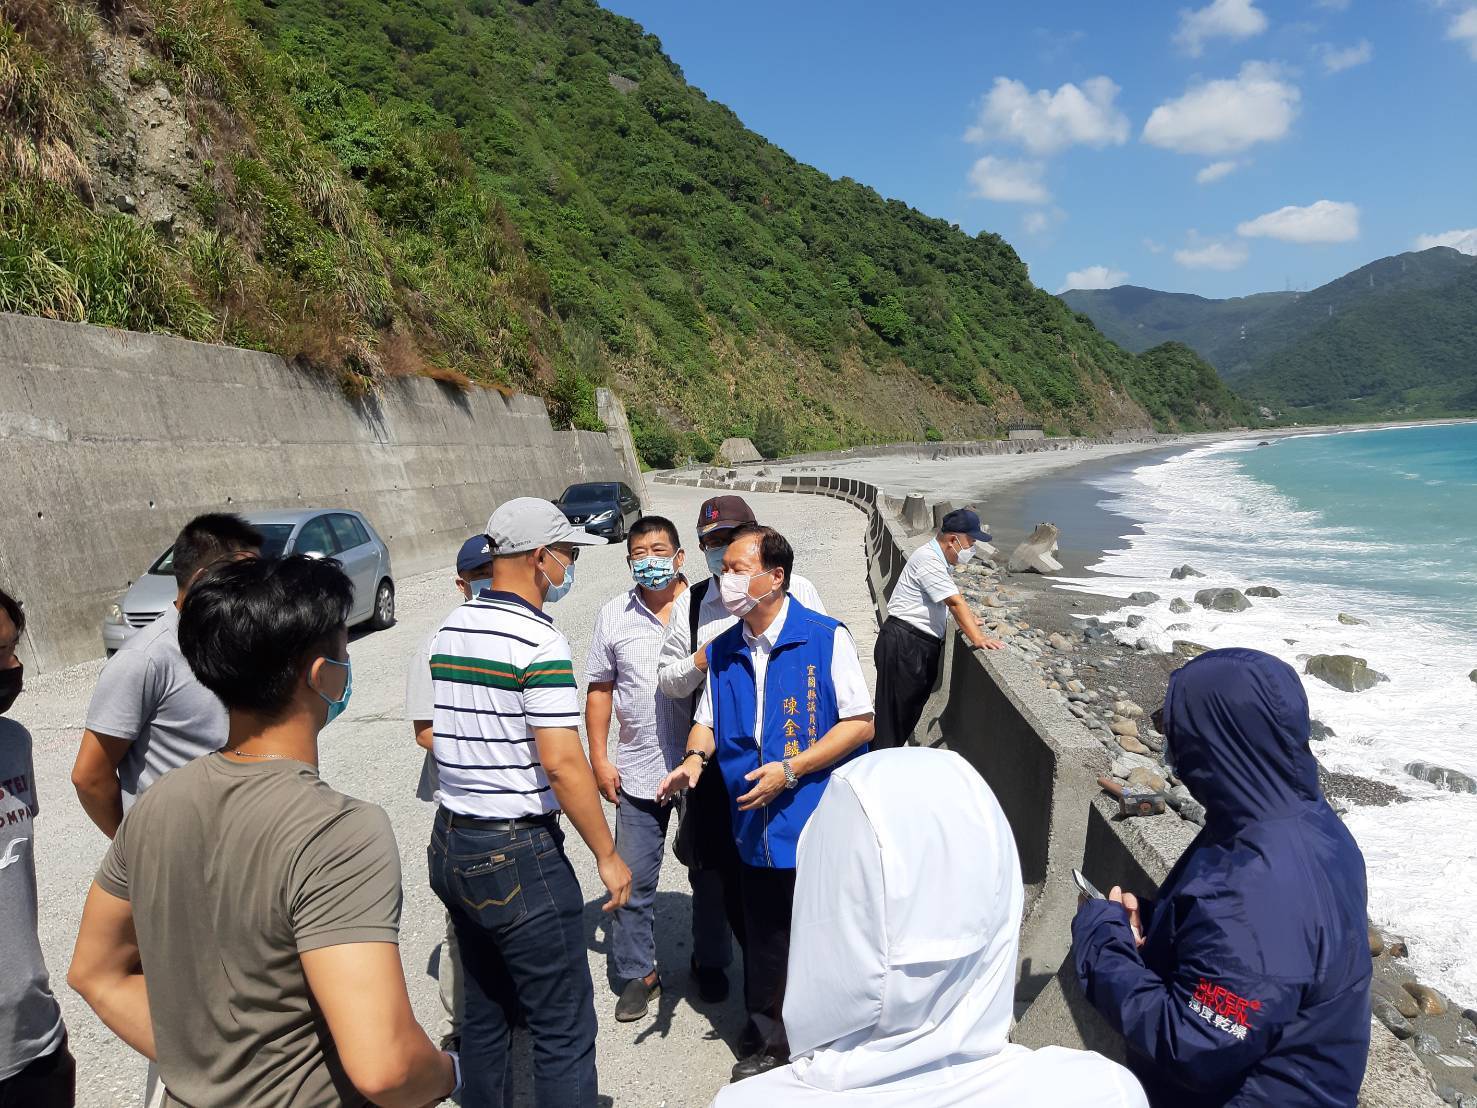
{"points": [[903, 945]]}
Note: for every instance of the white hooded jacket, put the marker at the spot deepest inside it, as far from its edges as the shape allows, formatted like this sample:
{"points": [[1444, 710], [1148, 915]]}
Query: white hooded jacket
{"points": [[903, 944]]}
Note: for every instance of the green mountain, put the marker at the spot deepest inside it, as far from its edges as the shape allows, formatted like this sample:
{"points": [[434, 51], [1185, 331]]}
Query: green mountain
{"points": [[520, 193], [1392, 339]]}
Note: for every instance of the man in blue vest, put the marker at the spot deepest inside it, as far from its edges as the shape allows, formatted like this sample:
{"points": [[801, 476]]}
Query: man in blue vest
{"points": [[785, 701]]}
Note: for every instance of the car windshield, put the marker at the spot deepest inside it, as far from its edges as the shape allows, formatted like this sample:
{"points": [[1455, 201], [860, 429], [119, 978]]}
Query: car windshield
{"points": [[274, 541], [588, 494]]}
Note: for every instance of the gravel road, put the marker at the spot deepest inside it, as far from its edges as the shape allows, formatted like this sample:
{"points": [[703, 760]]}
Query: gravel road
{"points": [[676, 1059]]}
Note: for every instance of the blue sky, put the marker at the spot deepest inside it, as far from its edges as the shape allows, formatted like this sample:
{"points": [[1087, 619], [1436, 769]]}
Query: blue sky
{"points": [[1329, 132]]}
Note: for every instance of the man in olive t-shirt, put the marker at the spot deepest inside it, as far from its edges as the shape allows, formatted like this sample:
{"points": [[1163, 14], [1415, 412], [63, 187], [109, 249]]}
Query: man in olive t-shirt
{"points": [[262, 906]]}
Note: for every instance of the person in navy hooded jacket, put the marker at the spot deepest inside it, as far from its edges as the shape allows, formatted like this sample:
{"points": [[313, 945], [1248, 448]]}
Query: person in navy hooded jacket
{"points": [[1245, 980]]}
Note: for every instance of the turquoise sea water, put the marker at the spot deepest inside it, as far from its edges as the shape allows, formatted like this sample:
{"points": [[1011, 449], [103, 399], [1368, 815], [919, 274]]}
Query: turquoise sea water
{"points": [[1380, 526]]}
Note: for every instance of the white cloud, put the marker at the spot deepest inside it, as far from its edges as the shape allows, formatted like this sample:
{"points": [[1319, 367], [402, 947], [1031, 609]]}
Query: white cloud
{"points": [[1153, 247], [1008, 181], [1336, 60], [1211, 254], [1227, 115], [1045, 122], [1094, 277], [1216, 170], [1464, 29], [1324, 221], [1042, 220], [1232, 19], [1465, 241]]}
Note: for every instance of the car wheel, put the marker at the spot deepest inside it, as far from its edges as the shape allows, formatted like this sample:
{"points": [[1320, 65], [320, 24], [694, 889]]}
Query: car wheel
{"points": [[384, 607], [619, 533]]}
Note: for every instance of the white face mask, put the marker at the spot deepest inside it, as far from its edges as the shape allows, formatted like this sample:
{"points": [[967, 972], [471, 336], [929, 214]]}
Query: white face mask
{"points": [[965, 555], [734, 589]]}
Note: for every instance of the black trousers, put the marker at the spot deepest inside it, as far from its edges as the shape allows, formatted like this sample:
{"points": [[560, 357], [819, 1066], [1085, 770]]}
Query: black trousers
{"points": [[907, 667], [48, 1082], [769, 900]]}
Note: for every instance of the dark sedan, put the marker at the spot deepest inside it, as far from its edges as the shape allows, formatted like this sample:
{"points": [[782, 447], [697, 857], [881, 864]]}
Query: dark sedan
{"points": [[605, 508]]}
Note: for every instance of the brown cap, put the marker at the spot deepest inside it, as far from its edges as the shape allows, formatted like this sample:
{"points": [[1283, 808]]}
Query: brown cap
{"points": [[721, 512]]}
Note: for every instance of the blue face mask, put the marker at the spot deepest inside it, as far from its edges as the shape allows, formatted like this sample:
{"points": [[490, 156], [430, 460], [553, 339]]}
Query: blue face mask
{"points": [[561, 590], [714, 556], [336, 707], [478, 585], [653, 572]]}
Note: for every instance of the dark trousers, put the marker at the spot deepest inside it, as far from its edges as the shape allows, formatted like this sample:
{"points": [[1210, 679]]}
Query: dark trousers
{"points": [[705, 844], [768, 901], [48, 1082], [518, 912], [907, 667]]}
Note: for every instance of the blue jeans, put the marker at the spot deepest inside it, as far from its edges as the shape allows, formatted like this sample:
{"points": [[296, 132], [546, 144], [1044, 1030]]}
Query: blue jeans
{"points": [[518, 912]]}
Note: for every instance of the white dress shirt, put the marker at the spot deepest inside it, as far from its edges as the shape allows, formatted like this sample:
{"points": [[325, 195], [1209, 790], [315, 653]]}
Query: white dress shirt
{"points": [[918, 598]]}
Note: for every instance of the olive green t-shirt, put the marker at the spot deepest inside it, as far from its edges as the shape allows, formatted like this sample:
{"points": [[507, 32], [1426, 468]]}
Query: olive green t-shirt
{"points": [[232, 872]]}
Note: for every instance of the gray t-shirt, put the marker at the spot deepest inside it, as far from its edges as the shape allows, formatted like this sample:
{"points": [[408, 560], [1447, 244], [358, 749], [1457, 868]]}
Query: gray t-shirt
{"points": [[233, 872], [147, 695], [30, 1018]]}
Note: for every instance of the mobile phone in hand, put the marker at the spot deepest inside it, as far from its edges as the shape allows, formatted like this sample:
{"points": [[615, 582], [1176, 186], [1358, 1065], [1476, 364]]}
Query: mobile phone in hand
{"points": [[1086, 887]]}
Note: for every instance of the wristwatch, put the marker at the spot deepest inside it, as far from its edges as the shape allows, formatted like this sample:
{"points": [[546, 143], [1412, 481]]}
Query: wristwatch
{"points": [[790, 779]]}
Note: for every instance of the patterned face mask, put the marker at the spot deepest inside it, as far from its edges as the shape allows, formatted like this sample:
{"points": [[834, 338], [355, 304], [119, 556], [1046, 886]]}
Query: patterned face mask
{"points": [[654, 573]]}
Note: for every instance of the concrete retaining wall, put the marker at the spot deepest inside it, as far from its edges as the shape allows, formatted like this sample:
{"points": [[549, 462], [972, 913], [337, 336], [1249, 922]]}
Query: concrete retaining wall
{"points": [[111, 440], [1043, 766]]}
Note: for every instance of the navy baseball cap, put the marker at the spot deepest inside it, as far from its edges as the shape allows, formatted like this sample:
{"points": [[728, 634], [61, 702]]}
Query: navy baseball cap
{"points": [[965, 521], [475, 553]]}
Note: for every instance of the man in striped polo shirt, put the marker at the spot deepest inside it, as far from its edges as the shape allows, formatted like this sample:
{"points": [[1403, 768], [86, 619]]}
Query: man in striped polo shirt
{"points": [[507, 746]]}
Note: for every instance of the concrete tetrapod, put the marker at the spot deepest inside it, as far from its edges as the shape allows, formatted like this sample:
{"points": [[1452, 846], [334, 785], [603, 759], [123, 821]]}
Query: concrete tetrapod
{"points": [[1035, 554]]}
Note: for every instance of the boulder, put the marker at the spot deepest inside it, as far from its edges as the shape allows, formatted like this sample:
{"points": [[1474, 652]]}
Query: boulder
{"points": [[1035, 554], [1318, 730], [1133, 746], [1142, 778], [1263, 590], [1143, 596], [1376, 943], [1222, 600], [1179, 606], [1426, 1043], [1187, 649], [736, 450], [1404, 1003], [1352, 621], [1472, 677], [1430, 1002], [1441, 777], [1178, 627], [1390, 1016], [1125, 727], [1343, 671], [1135, 620], [1147, 645], [1060, 642], [1184, 571]]}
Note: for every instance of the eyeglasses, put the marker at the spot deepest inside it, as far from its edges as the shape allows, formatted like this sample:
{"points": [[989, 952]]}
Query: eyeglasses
{"points": [[572, 554]]}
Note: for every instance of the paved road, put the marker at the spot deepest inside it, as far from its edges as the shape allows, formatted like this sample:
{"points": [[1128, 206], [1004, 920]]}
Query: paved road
{"points": [[677, 1059]]}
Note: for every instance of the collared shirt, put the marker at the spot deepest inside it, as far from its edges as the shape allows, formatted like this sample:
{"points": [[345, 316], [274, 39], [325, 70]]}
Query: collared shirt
{"points": [[499, 668], [852, 697], [677, 676], [624, 650], [921, 590]]}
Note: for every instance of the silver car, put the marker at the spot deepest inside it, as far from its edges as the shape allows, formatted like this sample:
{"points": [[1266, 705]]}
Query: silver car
{"points": [[325, 532]]}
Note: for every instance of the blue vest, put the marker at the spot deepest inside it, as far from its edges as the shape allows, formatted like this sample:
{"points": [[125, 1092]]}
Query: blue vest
{"points": [[799, 708]]}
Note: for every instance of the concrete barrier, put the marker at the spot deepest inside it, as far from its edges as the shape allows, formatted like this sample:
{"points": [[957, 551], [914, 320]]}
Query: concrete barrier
{"points": [[1043, 766], [111, 440]]}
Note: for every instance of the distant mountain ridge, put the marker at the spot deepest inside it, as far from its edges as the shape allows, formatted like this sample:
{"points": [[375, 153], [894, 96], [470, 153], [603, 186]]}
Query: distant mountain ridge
{"points": [[1391, 338]]}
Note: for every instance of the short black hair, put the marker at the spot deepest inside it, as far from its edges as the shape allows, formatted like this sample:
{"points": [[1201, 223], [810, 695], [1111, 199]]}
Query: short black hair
{"points": [[12, 607], [774, 548], [207, 539], [647, 524], [250, 626]]}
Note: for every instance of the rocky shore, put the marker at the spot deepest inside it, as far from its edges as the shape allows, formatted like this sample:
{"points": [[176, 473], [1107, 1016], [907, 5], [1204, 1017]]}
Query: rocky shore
{"points": [[1112, 687]]}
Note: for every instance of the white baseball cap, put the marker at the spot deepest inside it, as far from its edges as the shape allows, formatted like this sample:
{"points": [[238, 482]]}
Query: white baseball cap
{"points": [[526, 523]]}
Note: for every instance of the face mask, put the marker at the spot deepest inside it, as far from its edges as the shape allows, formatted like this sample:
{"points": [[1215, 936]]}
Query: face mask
{"points": [[478, 585], [336, 707], [965, 555], [561, 590], [11, 682], [653, 572], [734, 589], [714, 556]]}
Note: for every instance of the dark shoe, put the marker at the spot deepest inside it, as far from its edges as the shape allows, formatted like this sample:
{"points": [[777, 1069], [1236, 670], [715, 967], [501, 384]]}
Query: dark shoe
{"points": [[452, 1043], [636, 999], [712, 982], [755, 1064]]}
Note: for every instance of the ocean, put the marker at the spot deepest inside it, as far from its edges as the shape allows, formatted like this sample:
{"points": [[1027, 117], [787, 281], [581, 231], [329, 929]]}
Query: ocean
{"points": [[1380, 525]]}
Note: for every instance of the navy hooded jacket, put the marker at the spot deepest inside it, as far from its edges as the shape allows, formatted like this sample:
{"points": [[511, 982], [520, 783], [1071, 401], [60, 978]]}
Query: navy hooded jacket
{"points": [[1252, 986]]}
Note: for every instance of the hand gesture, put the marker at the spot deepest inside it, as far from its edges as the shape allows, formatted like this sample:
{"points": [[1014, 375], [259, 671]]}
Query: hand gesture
{"points": [[1131, 905], [679, 780], [608, 780], [616, 876], [769, 782]]}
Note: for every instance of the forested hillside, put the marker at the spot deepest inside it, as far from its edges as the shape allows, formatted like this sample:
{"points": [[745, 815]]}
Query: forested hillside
{"points": [[521, 194]]}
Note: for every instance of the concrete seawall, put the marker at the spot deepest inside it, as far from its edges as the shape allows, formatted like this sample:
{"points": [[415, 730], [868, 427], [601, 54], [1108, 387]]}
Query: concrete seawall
{"points": [[111, 440], [1043, 767]]}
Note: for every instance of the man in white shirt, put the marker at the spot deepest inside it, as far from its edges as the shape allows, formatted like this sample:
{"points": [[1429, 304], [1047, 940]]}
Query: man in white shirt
{"points": [[705, 835], [473, 574], [785, 701], [911, 640], [621, 672]]}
